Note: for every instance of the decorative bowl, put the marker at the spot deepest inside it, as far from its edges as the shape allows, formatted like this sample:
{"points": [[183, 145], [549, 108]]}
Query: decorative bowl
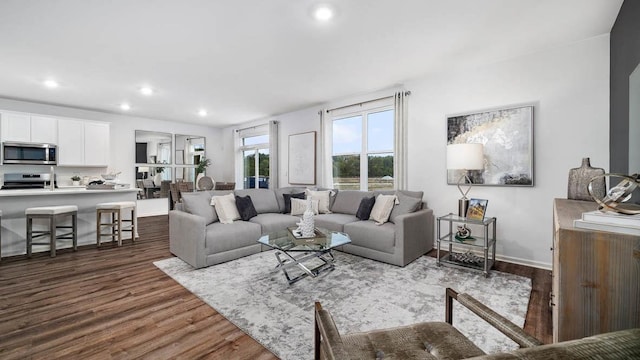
{"points": [[109, 176]]}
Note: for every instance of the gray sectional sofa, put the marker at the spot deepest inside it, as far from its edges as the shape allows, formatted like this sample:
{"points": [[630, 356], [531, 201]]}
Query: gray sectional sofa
{"points": [[197, 237]]}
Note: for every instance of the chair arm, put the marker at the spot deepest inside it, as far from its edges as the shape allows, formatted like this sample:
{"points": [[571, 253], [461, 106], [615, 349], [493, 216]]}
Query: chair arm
{"points": [[502, 324], [327, 338], [187, 237]]}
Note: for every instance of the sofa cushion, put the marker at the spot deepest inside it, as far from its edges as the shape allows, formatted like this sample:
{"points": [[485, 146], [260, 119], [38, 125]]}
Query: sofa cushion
{"points": [[364, 210], [348, 201], [272, 222], [287, 201], [245, 207], [264, 200], [199, 203], [382, 208], [299, 206], [323, 197], [406, 204], [224, 237], [226, 208], [369, 235], [334, 221]]}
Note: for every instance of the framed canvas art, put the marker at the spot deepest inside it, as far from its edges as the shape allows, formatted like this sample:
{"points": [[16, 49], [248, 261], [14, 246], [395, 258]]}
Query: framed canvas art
{"points": [[507, 138], [477, 209], [302, 158]]}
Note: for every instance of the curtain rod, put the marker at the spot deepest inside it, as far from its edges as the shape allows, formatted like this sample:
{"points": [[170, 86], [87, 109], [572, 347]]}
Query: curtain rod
{"points": [[255, 126], [406, 93]]}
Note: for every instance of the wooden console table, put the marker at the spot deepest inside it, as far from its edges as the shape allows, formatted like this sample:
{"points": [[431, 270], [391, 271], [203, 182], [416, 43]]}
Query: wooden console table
{"points": [[596, 276]]}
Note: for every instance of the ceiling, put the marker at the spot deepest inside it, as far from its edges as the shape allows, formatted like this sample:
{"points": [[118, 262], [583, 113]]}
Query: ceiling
{"points": [[244, 60]]}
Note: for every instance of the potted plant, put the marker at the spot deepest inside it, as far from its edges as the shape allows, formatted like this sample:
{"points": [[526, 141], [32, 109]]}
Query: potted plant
{"points": [[75, 180], [200, 169]]}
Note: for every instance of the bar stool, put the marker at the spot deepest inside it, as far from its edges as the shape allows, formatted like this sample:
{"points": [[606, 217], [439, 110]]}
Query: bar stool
{"points": [[53, 214], [0, 235], [115, 210]]}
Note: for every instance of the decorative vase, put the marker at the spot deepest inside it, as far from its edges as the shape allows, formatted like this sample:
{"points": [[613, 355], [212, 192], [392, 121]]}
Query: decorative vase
{"points": [[308, 225], [197, 181], [579, 179], [157, 179], [75, 182]]}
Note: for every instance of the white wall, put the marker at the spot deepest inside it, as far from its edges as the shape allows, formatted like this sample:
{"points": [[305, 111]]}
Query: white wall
{"points": [[569, 87], [122, 157]]}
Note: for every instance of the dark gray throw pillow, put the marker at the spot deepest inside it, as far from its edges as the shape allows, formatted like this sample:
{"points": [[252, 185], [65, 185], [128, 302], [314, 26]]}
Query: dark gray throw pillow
{"points": [[366, 205], [287, 201], [245, 207]]}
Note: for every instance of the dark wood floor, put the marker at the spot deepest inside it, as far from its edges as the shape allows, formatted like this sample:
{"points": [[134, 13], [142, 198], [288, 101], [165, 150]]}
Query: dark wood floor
{"points": [[113, 303]]}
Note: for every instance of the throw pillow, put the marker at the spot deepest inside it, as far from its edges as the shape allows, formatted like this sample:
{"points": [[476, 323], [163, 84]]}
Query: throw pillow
{"points": [[323, 197], [299, 206], [199, 203], [226, 208], [245, 207], [364, 210], [407, 204], [382, 208], [287, 200]]}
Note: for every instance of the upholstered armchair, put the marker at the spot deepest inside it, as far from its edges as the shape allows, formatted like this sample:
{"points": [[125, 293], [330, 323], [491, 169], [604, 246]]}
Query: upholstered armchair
{"points": [[440, 340]]}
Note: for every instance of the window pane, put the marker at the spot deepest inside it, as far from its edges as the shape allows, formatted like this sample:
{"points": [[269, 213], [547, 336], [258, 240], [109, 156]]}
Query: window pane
{"points": [[347, 135], [380, 171], [263, 169], [249, 166], [346, 172], [380, 131], [253, 140]]}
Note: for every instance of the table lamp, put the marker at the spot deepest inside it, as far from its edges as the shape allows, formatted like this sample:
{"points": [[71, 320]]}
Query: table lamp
{"points": [[143, 170], [464, 157]]}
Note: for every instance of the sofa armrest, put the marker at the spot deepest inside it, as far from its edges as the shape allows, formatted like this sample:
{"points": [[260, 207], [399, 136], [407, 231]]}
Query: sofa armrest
{"points": [[414, 234], [187, 237]]}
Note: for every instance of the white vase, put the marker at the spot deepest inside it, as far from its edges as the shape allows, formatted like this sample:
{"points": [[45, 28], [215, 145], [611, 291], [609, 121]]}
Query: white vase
{"points": [[75, 183], [200, 176], [157, 179], [308, 223]]}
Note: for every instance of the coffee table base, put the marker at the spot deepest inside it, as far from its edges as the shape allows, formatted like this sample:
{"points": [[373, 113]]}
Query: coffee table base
{"points": [[326, 257]]}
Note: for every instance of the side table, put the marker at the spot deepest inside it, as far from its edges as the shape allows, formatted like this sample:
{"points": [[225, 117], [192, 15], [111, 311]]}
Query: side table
{"points": [[469, 260]]}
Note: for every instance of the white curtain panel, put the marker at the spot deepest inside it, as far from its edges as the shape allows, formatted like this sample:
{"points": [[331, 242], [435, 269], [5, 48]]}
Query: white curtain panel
{"points": [[401, 114], [273, 155], [326, 134]]}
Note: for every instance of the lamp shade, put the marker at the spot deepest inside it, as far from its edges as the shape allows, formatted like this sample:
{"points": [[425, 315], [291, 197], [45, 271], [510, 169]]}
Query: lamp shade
{"points": [[143, 169], [465, 157]]}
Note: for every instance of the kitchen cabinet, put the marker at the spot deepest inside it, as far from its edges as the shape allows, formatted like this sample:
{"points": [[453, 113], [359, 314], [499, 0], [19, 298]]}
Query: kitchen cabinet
{"points": [[596, 276], [24, 127], [83, 143]]}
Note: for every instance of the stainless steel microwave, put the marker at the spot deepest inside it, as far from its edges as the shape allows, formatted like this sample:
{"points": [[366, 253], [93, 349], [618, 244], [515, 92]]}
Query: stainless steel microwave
{"points": [[29, 153]]}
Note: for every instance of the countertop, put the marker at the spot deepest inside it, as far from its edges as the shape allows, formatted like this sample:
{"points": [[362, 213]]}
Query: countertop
{"points": [[61, 191]]}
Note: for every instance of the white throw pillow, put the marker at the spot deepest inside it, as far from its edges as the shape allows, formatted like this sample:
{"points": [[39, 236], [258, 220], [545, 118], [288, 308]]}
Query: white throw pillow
{"points": [[382, 208], [298, 206], [323, 197], [226, 208]]}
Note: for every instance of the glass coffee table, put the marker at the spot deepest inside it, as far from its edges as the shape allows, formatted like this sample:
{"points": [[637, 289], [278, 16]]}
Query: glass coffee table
{"points": [[293, 251]]}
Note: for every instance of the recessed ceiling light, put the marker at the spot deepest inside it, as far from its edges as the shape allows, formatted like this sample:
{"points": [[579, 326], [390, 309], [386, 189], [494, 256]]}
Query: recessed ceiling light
{"points": [[323, 12], [125, 106], [145, 90], [202, 112], [51, 84]]}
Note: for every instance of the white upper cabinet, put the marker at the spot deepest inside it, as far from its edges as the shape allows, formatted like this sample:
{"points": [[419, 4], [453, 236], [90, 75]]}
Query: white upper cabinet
{"points": [[83, 143], [22, 127]]}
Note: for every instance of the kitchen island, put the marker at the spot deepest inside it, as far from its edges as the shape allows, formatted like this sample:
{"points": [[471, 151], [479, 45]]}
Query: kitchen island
{"points": [[14, 202]]}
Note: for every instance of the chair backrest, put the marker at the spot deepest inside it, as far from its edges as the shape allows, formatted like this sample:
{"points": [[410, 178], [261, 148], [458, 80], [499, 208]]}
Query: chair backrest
{"points": [[225, 185]]}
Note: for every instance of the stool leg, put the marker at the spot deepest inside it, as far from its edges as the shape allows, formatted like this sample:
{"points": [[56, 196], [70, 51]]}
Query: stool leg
{"points": [[29, 235], [75, 230], [113, 227], [134, 229], [52, 235], [98, 234], [119, 227]]}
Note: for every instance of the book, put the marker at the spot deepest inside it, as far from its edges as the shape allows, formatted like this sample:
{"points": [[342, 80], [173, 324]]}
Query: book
{"points": [[621, 229], [610, 217]]}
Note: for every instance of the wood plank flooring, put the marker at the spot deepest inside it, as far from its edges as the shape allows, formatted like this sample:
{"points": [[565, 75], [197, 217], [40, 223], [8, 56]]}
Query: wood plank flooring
{"points": [[113, 303]]}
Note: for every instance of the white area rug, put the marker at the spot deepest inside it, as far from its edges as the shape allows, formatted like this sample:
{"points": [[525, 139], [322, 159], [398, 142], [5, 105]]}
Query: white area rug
{"points": [[361, 294]]}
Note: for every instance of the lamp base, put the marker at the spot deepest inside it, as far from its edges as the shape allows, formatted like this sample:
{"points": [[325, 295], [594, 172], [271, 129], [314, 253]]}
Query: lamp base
{"points": [[463, 205]]}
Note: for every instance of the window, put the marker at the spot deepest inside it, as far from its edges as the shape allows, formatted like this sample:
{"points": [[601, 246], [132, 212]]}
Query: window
{"points": [[255, 158], [363, 148]]}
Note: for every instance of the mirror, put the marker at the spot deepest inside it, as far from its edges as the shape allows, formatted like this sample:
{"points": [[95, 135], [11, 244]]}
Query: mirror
{"points": [[153, 147], [187, 174], [634, 121], [153, 182], [189, 149]]}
